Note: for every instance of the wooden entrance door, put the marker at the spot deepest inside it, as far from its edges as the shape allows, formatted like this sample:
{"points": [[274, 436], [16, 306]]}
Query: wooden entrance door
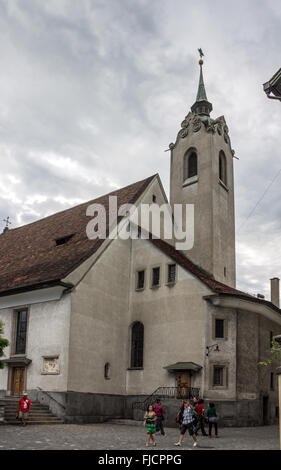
{"points": [[18, 381], [183, 382]]}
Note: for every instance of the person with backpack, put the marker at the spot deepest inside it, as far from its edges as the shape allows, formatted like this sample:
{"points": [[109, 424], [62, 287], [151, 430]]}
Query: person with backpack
{"points": [[187, 424]]}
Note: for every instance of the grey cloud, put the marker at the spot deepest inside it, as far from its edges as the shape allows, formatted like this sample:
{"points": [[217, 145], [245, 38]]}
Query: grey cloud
{"points": [[103, 87]]}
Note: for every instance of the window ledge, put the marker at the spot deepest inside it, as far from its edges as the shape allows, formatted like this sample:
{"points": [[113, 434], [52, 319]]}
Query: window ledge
{"points": [[219, 387], [171, 284], [189, 181], [223, 185], [139, 289], [50, 373], [155, 287], [135, 368], [17, 355]]}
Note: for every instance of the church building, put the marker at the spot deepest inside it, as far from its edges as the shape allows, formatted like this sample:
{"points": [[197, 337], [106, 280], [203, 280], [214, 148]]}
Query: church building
{"points": [[100, 328]]}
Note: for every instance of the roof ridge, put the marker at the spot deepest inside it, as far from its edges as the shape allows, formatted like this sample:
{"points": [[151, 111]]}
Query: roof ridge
{"points": [[203, 275], [83, 203]]}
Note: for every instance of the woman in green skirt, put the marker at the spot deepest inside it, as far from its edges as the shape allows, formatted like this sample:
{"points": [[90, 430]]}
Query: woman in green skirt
{"points": [[150, 424]]}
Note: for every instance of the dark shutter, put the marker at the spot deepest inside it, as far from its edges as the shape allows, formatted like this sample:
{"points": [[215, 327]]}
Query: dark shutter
{"points": [[219, 328], [140, 283], [171, 273], [218, 375], [155, 276]]}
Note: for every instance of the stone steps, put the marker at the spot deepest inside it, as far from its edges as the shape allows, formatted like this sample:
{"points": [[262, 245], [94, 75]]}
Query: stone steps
{"points": [[39, 414]]}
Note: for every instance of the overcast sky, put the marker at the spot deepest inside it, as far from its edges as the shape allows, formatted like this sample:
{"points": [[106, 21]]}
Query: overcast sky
{"points": [[93, 91]]}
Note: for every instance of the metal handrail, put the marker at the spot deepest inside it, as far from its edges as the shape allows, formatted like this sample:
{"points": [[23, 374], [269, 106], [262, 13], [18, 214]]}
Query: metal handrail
{"points": [[180, 392], [50, 396]]}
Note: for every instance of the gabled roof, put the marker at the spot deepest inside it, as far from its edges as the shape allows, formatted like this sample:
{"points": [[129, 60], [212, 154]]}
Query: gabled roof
{"points": [[205, 277], [29, 255]]}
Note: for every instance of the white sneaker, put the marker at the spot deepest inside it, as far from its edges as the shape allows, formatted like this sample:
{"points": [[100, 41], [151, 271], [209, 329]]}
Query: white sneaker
{"points": [[195, 444], [177, 444]]}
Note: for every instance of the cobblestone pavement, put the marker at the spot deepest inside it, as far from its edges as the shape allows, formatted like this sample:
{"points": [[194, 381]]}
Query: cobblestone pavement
{"points": [[126, 437]]}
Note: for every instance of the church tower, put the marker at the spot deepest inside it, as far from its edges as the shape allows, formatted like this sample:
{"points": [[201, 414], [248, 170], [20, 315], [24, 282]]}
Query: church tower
{"points": [[201, 173]]}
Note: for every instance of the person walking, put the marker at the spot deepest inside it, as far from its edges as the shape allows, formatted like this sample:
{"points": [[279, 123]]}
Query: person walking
{"points": [[194, 403], [179, 416], [187, 424], [24, 408], [150, 419], [200, 411], [159, 411], [212, 419]]}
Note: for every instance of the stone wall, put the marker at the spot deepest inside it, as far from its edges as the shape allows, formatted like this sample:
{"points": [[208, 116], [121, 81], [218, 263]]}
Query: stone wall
{"points": [[2, 414], [98, 408]]}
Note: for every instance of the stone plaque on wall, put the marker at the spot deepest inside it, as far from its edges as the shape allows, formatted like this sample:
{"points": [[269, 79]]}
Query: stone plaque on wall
{"points": [[50, 365]]}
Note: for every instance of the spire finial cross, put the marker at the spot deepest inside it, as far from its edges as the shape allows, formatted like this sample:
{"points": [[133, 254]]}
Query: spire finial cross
{"points": [[7, 222]]}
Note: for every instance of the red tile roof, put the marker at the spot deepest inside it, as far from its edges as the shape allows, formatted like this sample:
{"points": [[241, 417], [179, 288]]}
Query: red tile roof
{"points": [[29, 256]]}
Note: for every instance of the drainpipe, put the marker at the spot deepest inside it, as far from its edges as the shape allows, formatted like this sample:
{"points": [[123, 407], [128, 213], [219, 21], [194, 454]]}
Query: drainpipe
{"points": [[278, 371]]}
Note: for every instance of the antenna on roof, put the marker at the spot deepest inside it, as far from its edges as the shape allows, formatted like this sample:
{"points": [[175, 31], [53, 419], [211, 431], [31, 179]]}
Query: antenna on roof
{"points": [[7, 224]]}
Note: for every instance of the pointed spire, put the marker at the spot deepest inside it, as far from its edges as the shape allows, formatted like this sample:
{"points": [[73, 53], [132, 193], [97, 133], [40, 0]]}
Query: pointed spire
{"points": [[201, 94], [201, 105]]}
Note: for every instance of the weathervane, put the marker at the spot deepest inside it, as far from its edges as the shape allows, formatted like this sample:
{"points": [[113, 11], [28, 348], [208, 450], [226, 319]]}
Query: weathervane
{"points": [[201, 55]]}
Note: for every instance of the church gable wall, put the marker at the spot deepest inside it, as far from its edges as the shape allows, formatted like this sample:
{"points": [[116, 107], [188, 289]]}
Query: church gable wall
{"points": [[99, 323], [173, 318]]}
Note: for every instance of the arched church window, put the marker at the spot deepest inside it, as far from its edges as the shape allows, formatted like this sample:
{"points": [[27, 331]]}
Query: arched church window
{"points": [[190, 164], [222, 167], [137, 344]]}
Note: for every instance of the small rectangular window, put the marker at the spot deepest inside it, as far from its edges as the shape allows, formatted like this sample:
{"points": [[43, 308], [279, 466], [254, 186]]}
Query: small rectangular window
{"points": [[219, 328], [140, 279], [155, 277], [171, 273], [218, 376]]}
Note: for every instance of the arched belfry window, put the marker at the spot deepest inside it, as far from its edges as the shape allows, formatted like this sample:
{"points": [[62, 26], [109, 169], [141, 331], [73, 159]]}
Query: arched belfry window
{"points": [[222, 168], [190, 164], [137, 344]]}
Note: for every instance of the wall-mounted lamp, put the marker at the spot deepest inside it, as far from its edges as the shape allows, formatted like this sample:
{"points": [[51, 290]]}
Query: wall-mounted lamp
{"points": [[213, 347]]}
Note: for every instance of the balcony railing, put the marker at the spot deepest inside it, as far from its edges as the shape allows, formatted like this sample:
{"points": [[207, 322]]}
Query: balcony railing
{"points": [[181, 392]]}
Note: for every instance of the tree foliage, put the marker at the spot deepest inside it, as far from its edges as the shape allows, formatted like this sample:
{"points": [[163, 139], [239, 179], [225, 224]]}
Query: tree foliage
{"points": [[275, 353], [3, 344]]}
